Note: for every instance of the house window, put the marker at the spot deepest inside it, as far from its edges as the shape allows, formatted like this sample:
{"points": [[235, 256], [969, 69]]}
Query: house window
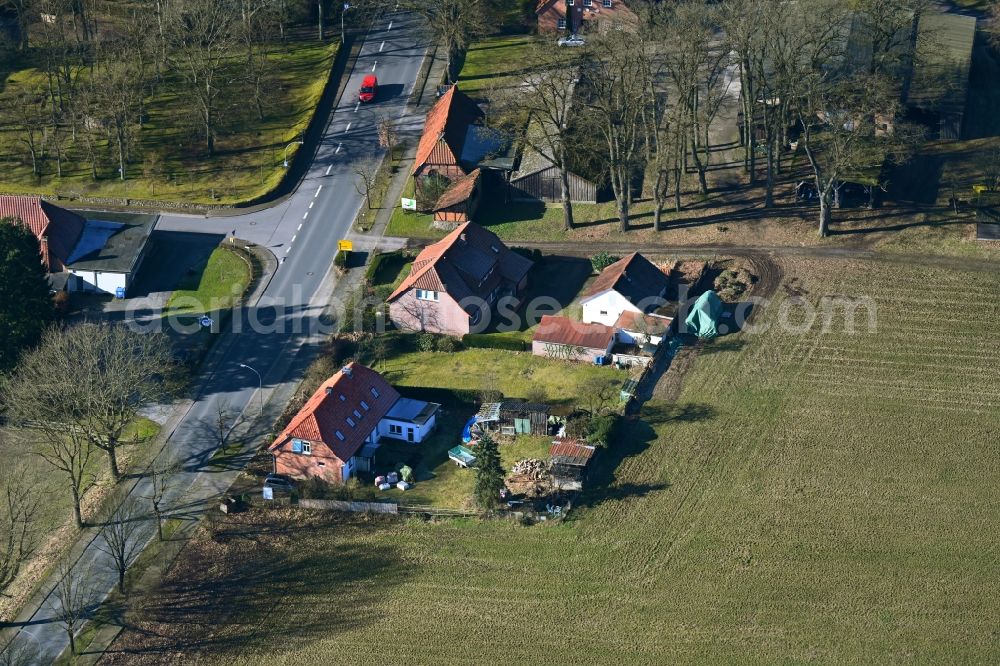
{"points": [[588, 3], [339, 435], [364, 405], [350, 421], [395, 429], [607, 3], [307, 448], [297, 446], [561, 24], [374, 393], [571, 2], [427, 295]]}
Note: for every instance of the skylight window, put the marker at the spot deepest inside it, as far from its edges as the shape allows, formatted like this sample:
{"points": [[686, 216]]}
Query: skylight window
{"points": [[340, 435], [364, 406], [374, 392], [350, 421], [357, 414], [342, 398]]}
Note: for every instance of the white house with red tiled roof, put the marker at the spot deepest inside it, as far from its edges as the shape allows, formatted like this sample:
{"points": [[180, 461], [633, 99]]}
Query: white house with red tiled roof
{"points": [[336, 433], [457, 281]]}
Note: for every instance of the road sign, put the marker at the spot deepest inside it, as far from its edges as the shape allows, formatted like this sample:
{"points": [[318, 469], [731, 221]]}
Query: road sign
{"points": [[409, 204], [206, 322], [268, 493], [345, 245], [120, 292]]}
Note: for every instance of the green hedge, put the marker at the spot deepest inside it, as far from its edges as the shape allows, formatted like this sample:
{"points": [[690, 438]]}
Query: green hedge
{"points": [[493, 341]]}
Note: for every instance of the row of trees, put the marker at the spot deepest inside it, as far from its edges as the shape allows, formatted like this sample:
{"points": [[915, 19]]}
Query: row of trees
{"points": [[644, 105], [104, 65]]}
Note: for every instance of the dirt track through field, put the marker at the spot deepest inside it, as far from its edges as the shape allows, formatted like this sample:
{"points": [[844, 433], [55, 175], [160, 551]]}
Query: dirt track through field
{"points": [[586, 248]]}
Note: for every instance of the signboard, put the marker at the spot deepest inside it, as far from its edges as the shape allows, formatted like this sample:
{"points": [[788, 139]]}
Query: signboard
{"points": [[120, 292], [409, 204], [268, 493], [345, 245]]}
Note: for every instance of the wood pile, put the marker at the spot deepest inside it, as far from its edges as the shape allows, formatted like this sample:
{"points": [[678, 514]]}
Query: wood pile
{"points": [[530, 469]]}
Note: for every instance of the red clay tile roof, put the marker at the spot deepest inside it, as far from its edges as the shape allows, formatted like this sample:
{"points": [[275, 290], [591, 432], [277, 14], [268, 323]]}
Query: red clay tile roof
{"points": [[459, 192], [60, 228], [327, 411], [640, 323], [565, 331], [467, 262], [448, 119], [634, 277], [571, 452]]}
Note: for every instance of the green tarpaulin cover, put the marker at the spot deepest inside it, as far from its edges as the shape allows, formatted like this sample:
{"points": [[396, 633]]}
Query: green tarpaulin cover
{"points": [[704, 317]]}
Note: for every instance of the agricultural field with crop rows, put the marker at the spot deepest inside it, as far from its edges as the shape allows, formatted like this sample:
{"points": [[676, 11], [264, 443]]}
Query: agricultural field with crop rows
{"points": [[808, 496]]}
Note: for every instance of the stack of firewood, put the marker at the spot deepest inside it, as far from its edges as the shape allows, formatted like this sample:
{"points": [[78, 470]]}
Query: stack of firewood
{"points": [[530, 468]]}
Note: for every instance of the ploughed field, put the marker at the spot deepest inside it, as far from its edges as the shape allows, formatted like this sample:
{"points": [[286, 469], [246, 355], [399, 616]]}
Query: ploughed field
{"points": [[810, 496]]}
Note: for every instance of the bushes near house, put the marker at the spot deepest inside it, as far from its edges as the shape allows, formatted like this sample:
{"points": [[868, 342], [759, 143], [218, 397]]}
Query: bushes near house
{"points": [[602, 260], [505, 341], [601, 429], [732, 284]]}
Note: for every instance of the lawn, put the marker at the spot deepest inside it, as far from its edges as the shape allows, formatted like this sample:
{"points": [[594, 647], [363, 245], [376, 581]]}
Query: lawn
{"points": [[494, 62], [809, 497], [216, 287], [171, 163]]}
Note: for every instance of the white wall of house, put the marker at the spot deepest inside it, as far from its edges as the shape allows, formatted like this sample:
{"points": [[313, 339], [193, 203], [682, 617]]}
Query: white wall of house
{"points": [[605, 308], [560, 351], [638, 337], [406, 431], [97, 281]]}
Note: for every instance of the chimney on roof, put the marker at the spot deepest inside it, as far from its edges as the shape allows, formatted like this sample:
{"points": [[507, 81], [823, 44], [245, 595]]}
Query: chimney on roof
{"points": [[346, 370]]}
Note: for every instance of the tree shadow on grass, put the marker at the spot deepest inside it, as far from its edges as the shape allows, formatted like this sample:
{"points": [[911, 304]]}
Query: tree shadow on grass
{"points": [[252, 586], [635, 436]]}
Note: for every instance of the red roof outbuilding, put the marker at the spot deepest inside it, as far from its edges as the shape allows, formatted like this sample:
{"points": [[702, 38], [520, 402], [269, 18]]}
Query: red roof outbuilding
{"points": [[57, 229], [558, 330]]}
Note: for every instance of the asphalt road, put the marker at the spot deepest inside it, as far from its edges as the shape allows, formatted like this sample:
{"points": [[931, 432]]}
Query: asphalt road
{"points": [[302, 232]]}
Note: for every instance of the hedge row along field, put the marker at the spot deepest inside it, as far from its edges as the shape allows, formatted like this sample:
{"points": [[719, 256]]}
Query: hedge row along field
{"points": [[820, 497]]}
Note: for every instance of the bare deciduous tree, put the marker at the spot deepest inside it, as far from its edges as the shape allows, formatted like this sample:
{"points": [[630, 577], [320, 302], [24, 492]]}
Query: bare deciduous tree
{"points": [[537, 112], [201, 34], [366, 182], [18, 506], [75, 597], [616, 88], [121, 537], [452, 24]]}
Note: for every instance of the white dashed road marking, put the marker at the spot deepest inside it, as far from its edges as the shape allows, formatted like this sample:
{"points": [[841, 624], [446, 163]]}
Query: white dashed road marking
{"points": [[318, 190], [382, 46], [339, 146], [306, 215], [288, 249], [348, 127], [300, 227], [311, 204], [331, 166], [373, 66]]}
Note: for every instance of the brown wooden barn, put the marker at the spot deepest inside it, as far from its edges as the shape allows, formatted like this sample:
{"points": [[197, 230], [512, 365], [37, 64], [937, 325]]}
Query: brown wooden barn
{"points": [[537, 179], [523, 418]]}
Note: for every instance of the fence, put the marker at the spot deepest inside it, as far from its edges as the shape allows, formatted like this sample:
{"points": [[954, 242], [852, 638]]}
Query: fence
{"points": [[352, 507]]}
